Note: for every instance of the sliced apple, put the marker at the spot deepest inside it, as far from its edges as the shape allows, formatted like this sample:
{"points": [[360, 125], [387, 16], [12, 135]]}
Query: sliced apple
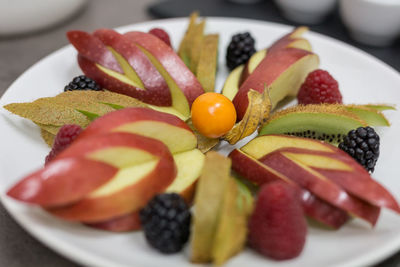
{"points": [[314, 207], [129, 190], [118, 65], [252, 64], [265, 144], [165, 127], [141, 174], [345, 172], [113, 80], [231, 85], [137, 67], [124, 223], [189, 165], [282, 70], [118, 149], [282, 67], [319, 185], [93, 49], [328, 160], [62, 182], [292, 39], [178, 77]]}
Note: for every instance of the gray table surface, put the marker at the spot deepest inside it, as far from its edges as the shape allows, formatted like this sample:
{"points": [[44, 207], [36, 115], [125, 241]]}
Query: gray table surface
{"points": [[17, 247]]}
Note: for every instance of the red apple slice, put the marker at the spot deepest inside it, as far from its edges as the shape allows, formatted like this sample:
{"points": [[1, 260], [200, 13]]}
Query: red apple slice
{"points": [[176, 69], [314, 207], [355, 180], [93, 49], [283, 70], [125, 223], [189, 165], [129, 190], [62, 182], [118, 149], [319, 185], [167, 128], [135, 63]]}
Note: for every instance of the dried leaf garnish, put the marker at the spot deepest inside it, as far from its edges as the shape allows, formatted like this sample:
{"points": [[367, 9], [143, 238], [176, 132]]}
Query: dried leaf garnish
{"points": [[204, 144], [47, 137], [257, 113], [72, 107], [48, 113], [49, 128]]}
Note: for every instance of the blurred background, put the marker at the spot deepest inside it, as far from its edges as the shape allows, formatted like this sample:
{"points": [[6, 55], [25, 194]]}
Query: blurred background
{"points": [[31, 29]]}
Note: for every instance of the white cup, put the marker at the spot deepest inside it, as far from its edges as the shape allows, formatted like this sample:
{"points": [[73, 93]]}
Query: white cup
{"points": [[21, 16], [306, 11], [372, 22]]}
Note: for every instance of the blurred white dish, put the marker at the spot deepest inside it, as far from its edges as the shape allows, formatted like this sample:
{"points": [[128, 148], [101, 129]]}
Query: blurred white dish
{"points": [[372, 22], [306, 11], [21, 16]]}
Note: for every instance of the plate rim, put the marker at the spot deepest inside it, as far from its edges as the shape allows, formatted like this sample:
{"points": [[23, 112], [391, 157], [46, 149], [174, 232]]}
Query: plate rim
{"points": [[69, 251]]}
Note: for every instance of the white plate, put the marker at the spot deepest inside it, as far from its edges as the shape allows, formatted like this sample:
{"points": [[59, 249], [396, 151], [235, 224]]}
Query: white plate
{"points": [[362, 78]]}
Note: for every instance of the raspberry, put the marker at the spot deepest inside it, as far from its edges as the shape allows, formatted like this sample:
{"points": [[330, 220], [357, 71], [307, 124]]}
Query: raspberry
{"points": [[277, 227], [166, 222], [319, 87], [161, 34], [240, 49], [82, 83], [64, 138]]}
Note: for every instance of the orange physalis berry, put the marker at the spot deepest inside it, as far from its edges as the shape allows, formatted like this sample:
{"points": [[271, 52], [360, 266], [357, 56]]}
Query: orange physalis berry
{"points": [[213, 114]]}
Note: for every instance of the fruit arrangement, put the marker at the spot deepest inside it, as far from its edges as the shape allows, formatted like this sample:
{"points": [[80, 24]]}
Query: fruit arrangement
{"points": [[131, 141]]}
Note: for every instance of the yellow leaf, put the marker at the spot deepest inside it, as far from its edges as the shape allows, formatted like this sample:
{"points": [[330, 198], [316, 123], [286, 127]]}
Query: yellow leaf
{"points": [[204, 144], [257, 112]]}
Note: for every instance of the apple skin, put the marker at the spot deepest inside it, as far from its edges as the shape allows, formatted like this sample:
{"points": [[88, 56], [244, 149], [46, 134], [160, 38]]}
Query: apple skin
{"points": [[125, 223], [82, 148], [113, 84], [321, 187], [183, 77], [124, 201], [270, 68], [62, 182], [292, 39], [285, 42], [112, 120], [357, 182], [314, 207], [93, 49], [156, 91], [131, 221]]}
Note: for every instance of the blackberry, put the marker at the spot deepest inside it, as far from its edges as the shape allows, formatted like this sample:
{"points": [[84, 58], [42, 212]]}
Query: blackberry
{"points": [[166, 222], [82, 83], [363, 145], [240, 49]]}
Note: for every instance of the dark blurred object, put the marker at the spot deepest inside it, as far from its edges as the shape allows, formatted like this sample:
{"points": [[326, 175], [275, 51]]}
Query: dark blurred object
{"points": [[267, 11]]}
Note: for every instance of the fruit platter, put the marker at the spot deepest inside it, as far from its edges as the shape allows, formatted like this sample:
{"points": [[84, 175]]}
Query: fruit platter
{"points": [[205, 141]]}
